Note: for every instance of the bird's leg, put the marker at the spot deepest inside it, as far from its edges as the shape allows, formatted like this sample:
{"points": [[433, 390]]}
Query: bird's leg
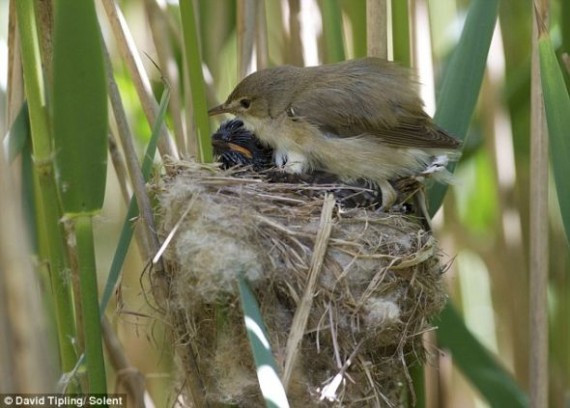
{"points": [[389, 195], [420, 198]]}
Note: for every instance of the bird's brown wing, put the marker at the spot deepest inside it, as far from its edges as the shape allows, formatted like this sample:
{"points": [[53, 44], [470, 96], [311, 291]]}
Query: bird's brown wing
{"points": [[341, 112]]}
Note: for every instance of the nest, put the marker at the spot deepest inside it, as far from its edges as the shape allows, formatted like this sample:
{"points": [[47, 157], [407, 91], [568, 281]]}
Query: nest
{"points": [[377, 283]]}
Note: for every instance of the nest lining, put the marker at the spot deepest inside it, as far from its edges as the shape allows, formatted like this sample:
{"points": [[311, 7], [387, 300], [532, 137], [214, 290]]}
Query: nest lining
{"points": [[379, 285]]}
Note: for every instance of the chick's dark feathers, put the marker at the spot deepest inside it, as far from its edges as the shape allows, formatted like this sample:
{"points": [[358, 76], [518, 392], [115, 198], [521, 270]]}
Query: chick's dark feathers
{"points": [[234, 146]]}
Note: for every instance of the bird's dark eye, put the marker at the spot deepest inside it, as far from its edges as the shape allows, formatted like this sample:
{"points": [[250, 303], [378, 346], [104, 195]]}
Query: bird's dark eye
{"points": [[245, 103]]}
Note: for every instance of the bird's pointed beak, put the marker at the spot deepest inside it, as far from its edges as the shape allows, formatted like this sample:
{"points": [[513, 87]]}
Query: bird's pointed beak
{"points": [[219, 143], [217, 110]]}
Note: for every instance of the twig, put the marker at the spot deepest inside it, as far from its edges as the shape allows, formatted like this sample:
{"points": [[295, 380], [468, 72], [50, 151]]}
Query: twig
{"points": [[171, 234], [121, 172], [262, 52], [377, 28], [334, 337], [159, 29], [126, 373], [44, 18], [246, 28], [377, 393], [119, 166], [130, 55], [295, 44], [301, 317], [150, 240], [538, 268], [409, 380], [15, 77], [424, 253], [79, 341], [374, 283], [540, 13], [329, 391]]}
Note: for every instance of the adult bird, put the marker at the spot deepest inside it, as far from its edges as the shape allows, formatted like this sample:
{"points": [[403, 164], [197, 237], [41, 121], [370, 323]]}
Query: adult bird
{"points": [[358, 119]]}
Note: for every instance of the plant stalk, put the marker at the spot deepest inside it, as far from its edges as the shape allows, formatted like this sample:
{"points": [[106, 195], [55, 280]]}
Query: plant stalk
{"points": [[538, 265], [50, 212], [197, 87], [377, 28], [89, 304]]}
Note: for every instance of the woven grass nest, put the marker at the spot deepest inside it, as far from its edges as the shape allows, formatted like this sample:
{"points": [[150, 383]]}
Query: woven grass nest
{"points": [[378, 285]]}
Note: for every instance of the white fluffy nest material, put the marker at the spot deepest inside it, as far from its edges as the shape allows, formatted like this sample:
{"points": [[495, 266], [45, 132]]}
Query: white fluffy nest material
{"points": [[377, 287]]}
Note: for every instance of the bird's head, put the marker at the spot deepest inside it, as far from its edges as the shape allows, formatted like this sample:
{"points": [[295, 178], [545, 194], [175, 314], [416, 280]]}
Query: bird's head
{"points": [[248, 99], [259, 95]]}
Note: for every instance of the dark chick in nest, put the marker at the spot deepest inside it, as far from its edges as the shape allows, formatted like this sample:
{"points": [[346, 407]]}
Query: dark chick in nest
{"points": [[235, 146]]}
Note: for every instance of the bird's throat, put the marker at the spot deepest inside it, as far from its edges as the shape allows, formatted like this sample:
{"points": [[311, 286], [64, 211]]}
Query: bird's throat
{"points": [[267, 130], [276, 134]]}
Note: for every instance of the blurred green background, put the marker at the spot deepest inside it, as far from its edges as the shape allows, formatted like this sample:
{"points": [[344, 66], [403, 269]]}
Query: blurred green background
{"points": [[483, 225]]}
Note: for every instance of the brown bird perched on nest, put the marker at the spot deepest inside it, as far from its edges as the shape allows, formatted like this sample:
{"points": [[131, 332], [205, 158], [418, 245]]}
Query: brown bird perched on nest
{"points": [[235, 146], [359, 119]]}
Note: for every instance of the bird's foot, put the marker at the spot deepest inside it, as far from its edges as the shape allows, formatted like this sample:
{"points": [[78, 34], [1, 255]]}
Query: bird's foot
{"points": [[291, 162], [389, 196], [280, 158]]}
